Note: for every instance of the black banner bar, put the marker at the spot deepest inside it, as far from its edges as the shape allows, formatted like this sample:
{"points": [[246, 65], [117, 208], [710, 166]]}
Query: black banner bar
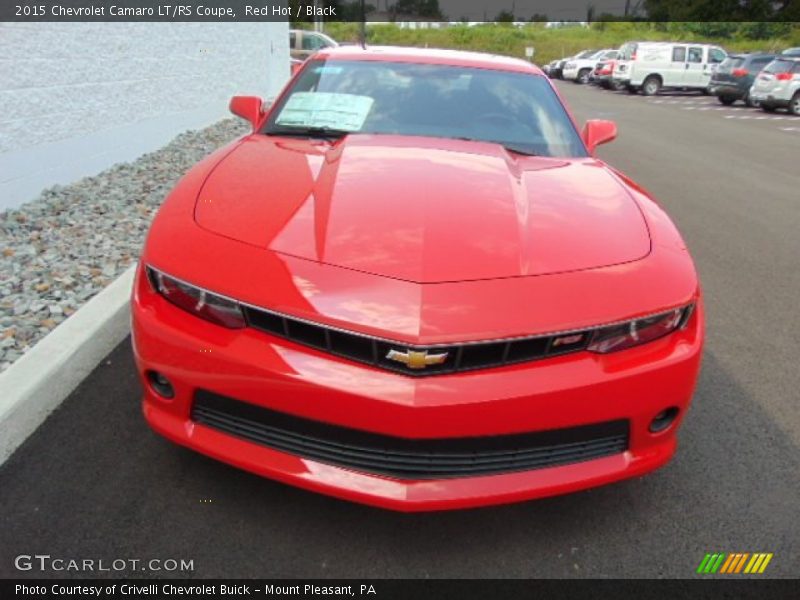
{"points": [[739, 588], [435, 11]]}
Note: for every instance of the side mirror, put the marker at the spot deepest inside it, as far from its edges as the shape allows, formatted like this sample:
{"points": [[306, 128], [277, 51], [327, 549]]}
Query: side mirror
{"points": [[597, 132], [248, 108]]}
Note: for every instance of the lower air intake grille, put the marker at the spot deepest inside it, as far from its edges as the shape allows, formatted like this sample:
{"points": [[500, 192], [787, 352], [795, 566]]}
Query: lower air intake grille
{"points": [[404, 458]]}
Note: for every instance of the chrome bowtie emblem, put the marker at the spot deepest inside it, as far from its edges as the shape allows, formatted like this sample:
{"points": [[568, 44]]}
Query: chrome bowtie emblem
{"points": [[417, 360]]}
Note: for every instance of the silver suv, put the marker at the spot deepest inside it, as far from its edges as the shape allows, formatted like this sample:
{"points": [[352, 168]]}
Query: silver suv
{"points": [[778, 85]]}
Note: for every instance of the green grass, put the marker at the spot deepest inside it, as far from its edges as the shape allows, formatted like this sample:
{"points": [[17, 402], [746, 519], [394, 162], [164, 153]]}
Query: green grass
{"points": [[556, 43]]}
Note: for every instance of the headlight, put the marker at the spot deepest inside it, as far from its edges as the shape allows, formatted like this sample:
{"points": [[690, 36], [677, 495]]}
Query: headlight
{"points": [[641, 331], [202, 303]]}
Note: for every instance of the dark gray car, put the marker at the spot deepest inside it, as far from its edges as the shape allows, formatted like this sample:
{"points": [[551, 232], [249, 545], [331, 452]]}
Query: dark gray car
{"points": [[734, 76]]}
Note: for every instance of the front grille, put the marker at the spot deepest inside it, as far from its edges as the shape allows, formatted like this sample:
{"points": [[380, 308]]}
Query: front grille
{"points": [[404, 458], [373, 351]]}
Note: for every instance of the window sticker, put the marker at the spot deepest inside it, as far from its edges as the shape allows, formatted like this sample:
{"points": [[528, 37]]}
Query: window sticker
{"points": [[321, 109], [328, 70]]}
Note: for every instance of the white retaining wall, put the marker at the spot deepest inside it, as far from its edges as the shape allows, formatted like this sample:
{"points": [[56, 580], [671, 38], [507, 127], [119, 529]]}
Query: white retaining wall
{"points": [[75, 98]]}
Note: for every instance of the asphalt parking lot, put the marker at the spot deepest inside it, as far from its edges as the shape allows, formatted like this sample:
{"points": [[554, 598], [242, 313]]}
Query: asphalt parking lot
{"points": [[94, 482]]}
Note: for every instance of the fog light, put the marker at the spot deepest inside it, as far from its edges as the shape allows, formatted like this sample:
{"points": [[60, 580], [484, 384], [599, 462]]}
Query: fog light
{"points": [[663, 419], [160, 384]]}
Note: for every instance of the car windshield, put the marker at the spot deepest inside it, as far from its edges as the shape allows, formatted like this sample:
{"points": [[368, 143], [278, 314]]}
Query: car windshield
{"points": [[518, 110]]}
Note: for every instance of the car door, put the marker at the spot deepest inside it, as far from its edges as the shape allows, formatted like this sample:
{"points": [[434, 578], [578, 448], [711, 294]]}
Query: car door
{"points": [[674, 74], [696, 73]]}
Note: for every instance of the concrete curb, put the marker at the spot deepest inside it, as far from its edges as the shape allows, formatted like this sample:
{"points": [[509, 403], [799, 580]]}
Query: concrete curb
{"points": [[37, 383]]}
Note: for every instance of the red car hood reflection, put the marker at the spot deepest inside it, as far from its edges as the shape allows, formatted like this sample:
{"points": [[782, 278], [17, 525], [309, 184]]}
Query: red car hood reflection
{"points": [[421, 209]]}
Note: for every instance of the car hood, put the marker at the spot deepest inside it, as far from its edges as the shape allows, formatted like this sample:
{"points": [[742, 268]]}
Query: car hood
{"points": [[421, 209]]}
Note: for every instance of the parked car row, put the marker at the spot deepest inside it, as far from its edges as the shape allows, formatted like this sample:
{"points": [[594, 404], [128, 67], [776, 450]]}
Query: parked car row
{"points": [[762, 79]]}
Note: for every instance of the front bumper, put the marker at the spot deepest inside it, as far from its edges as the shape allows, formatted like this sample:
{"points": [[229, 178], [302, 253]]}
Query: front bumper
{"points": [[555, 393], [570, 73]]}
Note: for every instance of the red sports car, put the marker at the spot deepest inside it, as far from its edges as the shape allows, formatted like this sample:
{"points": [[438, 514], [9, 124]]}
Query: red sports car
{"points": [[414, 286]]}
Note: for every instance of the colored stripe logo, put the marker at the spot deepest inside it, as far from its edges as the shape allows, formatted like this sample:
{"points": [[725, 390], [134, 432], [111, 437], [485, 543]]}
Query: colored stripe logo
{"points": [[735, 563]]}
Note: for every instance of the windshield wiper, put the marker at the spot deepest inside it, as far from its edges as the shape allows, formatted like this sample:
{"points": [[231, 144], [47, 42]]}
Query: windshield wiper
{"points": [[318, 132]]}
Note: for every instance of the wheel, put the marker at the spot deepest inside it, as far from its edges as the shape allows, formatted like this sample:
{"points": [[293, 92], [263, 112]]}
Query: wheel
{"points": [[651, 85], [706, 92], [794, 105], [631, 89], [751, 102], [583, 76], [767, 108], [727, 100], [617, 86]]}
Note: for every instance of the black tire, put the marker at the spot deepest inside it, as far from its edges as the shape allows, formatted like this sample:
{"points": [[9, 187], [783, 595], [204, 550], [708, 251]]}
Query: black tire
{"points": [[651, 85], [617, 86], [726, 100], [752, 103], [794, 105], [583, 76], [631, 89], [767, 108]]}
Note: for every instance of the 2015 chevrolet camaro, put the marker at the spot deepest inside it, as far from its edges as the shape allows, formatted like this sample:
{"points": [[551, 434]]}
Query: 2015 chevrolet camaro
{"points": [[413, 285]]}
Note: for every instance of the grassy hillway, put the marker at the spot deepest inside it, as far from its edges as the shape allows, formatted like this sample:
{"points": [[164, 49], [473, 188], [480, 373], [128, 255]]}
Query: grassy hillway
{"points": [[565, 41]]}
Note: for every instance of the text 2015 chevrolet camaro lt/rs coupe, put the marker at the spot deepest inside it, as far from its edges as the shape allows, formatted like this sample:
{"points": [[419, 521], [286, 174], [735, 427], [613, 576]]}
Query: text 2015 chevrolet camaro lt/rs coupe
{"points": [[414, 286]]}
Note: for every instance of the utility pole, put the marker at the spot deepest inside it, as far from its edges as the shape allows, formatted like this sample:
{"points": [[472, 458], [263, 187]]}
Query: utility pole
{"points": [[363, 25]]}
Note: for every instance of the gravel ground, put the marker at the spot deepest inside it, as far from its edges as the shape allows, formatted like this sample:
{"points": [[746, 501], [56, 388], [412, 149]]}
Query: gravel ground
{"points": [[59, 250]]}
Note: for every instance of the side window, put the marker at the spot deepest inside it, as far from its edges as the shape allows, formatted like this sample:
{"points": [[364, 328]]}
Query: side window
{"points": [[312, 42], [715, 55], [759, 63], [695, 55], [679, 54], [796, 69]]}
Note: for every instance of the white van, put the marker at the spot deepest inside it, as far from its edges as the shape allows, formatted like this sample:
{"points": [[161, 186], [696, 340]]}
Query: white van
{"points": [[650, 66]]}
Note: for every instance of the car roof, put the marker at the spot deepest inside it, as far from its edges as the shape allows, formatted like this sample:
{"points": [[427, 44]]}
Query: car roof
{"points": [[753, 55], [678, 44], [437, 56]]}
